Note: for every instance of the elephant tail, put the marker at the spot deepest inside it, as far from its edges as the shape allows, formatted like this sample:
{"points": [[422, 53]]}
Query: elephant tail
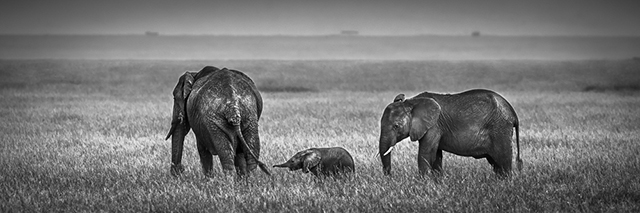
{"points": [[518, 159], [246, 147]]}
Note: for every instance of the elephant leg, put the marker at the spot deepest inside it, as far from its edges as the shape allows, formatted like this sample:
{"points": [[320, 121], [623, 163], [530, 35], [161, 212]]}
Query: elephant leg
{"points": [[428, 151], [501, 154], [241, 164], [225, 145], [501, 164], [437, 164], [227, 160], [206, 159], [253, 142], [494, 165]]}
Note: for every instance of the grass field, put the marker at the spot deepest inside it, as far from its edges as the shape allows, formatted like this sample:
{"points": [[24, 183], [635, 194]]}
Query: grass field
{"points": [[88, 135]]}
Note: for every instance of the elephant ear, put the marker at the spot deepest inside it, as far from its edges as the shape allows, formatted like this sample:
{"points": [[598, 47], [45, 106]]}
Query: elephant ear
{"points": [[180, 94], [205, 71], [310, 160], [186, 82], [424, 116], [399, 97]]}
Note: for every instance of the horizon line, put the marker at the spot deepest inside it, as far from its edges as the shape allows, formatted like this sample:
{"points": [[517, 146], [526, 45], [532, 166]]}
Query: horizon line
{"points": [[309, 35]]}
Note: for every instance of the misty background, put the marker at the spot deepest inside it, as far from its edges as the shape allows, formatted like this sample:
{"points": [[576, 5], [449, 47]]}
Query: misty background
{"points": [[287, 29]]}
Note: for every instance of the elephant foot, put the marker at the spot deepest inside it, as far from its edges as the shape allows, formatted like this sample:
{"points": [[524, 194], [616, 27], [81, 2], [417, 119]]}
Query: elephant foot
{"points": [[176, 169]]}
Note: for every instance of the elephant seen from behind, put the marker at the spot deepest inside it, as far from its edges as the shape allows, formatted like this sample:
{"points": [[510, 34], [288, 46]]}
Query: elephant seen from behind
{"points": [[222, 107]]}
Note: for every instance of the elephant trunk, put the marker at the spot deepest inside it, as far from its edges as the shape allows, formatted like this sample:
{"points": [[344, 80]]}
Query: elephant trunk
{"points": [[178, 131], [385, 147], [177, 145], [285, 165]]}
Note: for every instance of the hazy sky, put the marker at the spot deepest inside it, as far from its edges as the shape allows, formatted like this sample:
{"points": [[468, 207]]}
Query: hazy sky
{"points": [[376, 17]]}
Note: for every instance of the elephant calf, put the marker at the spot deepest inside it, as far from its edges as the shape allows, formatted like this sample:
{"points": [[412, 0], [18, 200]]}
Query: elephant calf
{"points": [[321, 161]]}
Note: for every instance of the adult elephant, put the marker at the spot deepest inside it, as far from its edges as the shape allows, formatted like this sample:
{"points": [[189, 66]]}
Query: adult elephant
{"points": [[222, 107], [477, 123]]}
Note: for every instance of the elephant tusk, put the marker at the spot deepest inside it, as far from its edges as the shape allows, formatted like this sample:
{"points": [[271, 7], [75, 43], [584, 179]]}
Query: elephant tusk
{"points": [[388, 151], [173, 127]]}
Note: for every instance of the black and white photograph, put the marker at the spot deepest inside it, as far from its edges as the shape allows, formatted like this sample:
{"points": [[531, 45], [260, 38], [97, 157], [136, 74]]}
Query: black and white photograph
{"points": [[320, 106]]}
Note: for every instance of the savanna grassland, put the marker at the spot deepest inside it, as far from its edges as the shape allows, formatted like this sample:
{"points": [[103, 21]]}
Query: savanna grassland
{"points": [[88, 135]]}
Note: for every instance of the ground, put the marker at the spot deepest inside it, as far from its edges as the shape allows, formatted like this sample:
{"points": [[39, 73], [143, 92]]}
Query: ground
{"points": [[88, 135]]}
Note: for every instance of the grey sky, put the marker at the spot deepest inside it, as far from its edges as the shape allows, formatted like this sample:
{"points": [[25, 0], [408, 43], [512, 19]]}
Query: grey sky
{"points": [[290, 17]]}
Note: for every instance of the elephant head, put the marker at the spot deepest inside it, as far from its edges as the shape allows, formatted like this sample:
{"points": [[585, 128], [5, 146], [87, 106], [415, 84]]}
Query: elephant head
{"points": [[304, 160], [405, 118], [179, 122]]}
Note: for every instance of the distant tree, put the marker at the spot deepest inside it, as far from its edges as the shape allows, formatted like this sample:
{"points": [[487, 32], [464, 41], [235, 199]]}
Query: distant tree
{"points": [[475, 33], [349, 32]]}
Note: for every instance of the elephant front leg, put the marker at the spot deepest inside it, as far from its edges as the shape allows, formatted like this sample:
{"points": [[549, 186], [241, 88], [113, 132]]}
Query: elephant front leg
{"points": [[428, 153], [437, 165]]}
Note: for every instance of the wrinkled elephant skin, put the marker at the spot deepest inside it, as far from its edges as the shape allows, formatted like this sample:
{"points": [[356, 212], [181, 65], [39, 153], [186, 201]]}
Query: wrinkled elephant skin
{"points": [[222, 107], [477, 123], [332, 161]]}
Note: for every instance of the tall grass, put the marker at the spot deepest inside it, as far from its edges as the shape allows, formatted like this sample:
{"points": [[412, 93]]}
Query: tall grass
{"points": [[88, 136]]}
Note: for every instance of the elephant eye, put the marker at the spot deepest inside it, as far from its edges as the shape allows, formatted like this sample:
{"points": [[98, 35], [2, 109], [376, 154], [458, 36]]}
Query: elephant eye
{"points": [[396, 126]]}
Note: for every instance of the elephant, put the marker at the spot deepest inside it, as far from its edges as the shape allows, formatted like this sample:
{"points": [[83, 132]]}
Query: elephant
{"points": [[321, 161], [477, 123], [222, 107]]}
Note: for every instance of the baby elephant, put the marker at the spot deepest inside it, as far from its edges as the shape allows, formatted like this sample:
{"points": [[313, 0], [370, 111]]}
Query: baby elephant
{"points": [[321, 161]]}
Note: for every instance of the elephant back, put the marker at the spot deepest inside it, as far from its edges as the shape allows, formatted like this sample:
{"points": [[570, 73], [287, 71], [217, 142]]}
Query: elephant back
{"points": [[216, 89]]}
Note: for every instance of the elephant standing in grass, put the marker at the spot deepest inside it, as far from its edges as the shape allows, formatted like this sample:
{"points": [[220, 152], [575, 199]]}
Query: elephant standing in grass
{"points": [[222, 107], [477, 123]]}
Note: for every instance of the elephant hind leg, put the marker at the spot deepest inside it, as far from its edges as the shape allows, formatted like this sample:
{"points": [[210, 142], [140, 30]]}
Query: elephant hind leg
{"points": [[501, 151], [224, 144], [253, 142], [501, 164], [206, 159], [227, 161], [494, 165], [241, 164]]}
